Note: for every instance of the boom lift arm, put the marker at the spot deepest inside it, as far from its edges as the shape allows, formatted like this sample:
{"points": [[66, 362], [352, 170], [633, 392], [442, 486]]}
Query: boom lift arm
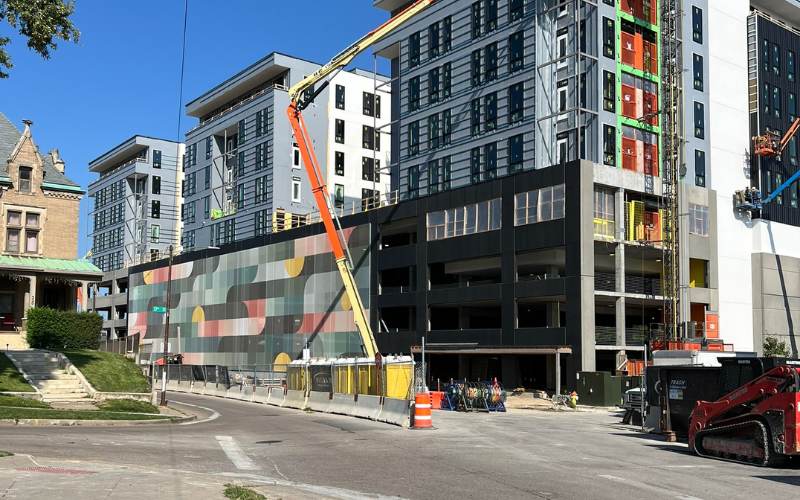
{"points": [[301, 95], [768, 145]]}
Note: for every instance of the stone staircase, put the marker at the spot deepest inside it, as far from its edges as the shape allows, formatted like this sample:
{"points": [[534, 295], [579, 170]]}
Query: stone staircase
{"points": [[42, 370], [13, 340]]}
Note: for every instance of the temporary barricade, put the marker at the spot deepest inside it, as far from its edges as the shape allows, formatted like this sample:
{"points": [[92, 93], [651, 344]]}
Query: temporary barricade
{"points": [[295, 399], [395, 411], [367, 406]]}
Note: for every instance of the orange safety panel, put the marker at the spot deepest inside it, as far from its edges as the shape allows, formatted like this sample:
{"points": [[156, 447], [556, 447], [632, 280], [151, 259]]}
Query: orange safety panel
{"points": [[628, 153], [638, 47], [629, 101], [628, 44], [629, 6], [651, 159], [639, 156], [712, 325], [652, 226]]}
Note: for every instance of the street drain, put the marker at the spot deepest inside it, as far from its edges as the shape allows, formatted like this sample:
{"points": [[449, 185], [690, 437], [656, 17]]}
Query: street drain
{"points": [[271, 441], [55, 470]]}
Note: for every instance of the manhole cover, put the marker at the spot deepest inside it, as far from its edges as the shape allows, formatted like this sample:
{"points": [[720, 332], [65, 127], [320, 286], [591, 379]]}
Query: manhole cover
{"points": [[271, 441], [55, 470]]}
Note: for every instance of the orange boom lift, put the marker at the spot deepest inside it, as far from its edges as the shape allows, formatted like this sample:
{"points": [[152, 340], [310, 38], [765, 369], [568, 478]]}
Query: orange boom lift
{"points": [[301, 96]]}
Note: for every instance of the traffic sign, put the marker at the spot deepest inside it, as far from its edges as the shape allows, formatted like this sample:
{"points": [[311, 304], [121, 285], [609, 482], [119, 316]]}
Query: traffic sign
{"points": [[159, 309]]}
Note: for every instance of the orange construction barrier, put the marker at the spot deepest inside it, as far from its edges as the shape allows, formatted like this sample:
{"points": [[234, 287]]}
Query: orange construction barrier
{"points": [[422, 411], [436, 399]]}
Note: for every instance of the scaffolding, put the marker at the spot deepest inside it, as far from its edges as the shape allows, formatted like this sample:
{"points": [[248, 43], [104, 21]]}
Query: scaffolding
{"points": [[671, 105]]}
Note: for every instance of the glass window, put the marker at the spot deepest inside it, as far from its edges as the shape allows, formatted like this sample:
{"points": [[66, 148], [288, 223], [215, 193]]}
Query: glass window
{"points": [[475, 16], [339, 132], [157, 158], [447, 127], [242, 132], [792, 106], [206, 207], [12, 240], [340, 97], [776, 59], [609, 38], [14, 218], [447, 34], [541, 205], [516, 10], [31, 220], [609, 91], [413, 50], [209, 145], [792, 147], [368, 104], [413, 138], [699, 168], [698, 219], [776, 101], [296, 191], [561, 49], [433, 85], [490, 112], [473, 218], [338, 195], [765, 98], [475, 165], [413, 181], [339, 162], [433, 40], [490, 62], [369, 138], [475, 67], [155, 233], [697, 24], [475, 117], [490, 19], [698, 72], [765, 54], [516, 51], [156, 185], [25, 174], [155, 209], [699, 120], [490, 160], [515, 153], [609, 145], [433, 131], [413, 94], [790, 70], [516, 103], [446, 80]]}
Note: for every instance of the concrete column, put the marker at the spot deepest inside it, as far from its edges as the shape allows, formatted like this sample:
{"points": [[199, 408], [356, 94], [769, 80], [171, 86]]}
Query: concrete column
{"points": [[85, 296], [553, 314], [30, 295], [620, 318], [558, 371]]}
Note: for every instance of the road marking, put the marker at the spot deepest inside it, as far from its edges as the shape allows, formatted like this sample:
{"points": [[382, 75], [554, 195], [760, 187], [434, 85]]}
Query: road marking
{"points": [[236, 454], [648, 487], [214, 414]]}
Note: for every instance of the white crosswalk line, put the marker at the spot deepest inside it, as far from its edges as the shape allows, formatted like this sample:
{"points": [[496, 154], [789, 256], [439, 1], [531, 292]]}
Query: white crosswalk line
{"points": [[236, 454]]}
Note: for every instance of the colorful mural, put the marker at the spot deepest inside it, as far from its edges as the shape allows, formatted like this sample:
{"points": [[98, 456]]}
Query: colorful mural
{"points": [[257, 305]]}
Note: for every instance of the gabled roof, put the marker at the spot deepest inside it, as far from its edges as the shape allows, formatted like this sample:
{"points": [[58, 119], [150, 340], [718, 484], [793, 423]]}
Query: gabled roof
{"points": [[9, 137]]}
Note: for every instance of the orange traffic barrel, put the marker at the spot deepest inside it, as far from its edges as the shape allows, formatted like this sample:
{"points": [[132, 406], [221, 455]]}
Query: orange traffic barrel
{"points": [[422, 411]]}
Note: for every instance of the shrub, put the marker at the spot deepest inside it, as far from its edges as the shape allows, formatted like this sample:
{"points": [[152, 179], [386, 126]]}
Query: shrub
{"points": [[775, 348], [53, 329]]}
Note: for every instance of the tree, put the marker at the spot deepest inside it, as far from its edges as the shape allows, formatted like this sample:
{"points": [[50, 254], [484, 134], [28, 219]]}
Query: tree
{"points": [[775, 348], [41, 22]]}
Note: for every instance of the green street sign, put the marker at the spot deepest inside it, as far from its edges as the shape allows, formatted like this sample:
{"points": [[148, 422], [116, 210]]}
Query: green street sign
{"points": [[159, 309]]}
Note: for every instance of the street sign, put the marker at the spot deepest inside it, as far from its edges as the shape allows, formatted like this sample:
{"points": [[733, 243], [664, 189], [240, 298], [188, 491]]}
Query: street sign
{"points": [[159, 309]]}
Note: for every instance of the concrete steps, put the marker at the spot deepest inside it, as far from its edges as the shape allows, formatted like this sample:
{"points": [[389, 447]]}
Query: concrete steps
{"points": [[43, 372], [13, 340]]}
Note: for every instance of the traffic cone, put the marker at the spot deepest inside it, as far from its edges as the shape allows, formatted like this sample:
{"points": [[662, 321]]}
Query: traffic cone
{"points": [[422, 411]]}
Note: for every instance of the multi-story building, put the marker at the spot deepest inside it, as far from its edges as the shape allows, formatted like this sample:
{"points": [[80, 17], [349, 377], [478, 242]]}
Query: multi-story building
{"points": [[135, 217], [753, 80], [39, 209], [244, 174]]}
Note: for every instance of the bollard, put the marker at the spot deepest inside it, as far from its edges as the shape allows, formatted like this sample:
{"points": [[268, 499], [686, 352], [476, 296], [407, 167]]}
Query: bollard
{"points": [[422, 411]]}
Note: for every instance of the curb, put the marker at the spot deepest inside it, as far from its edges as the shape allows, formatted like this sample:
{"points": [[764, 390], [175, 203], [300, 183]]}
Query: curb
{"points": [[43, 422]]}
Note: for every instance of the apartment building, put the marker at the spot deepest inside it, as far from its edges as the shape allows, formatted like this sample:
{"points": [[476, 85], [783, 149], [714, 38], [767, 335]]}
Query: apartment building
{"points": [[135, 217], [244, 176], [753, 79]]}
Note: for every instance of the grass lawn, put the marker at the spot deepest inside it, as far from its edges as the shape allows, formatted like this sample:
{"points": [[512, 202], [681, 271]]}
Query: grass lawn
{"points": [[235, 492], [72, 414], [5, 454], [127, 405], [109, 372], [22, 402], [10, 379]]}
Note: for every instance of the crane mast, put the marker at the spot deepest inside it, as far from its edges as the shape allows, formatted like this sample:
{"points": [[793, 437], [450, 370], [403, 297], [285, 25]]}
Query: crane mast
{"points": [[301, 95]]}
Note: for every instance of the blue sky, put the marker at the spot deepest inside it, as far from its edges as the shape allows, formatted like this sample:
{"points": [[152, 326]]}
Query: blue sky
{"points": [[122, 77]]}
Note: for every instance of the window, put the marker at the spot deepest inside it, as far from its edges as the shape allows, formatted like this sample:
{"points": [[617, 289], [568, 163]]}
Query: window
{"points": [[476, 19], [516, 51], [765, 54], [261, 122], [778, 182], [370, 199], [433, 85], [25, 174], [339, 131], [490, 112], [490, 62], [609, 91], [697, 24], [790, 65], [447, 127], [792, 147], [240, 166], [699, 120], [561, 148], [14, 218], [698, 72], [296, 190], [776, 59], [562, 98], [792, 107], [539, 205], [261, 156], [475, 165], [515, 153], [157, 158], [561, 49], [155, 233], [242, 136], [155, 209], [433, 131], [368, 104], [339, 162], [699, 168], [490, 17], [447, 34], [435, 177], [207, 177], [295, 155], [413, 181], [262, 222], [475, 117], [776, 101], [413, 94], [433, 40], [475, 67], [31, 220], [516, 100], [206, 207], [609, 38], [370, 138], [156, 185], [446, 83], [12, 240], [516, 10], [240, 196], [209, 146], [698, 219], [370, 169], [765, 98], [470, 219], [609, 145], [413, 50], [338, 195], [413, 138], [260, 195], [340, 97], [490, 160], [604, 213]]}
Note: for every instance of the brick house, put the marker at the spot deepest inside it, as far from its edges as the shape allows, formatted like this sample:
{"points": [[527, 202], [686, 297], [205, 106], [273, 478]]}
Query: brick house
{"points": [[39, 213]]}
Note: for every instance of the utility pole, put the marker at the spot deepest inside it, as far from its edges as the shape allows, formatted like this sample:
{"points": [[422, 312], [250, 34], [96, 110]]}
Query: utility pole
{"points": [[166, 333]]}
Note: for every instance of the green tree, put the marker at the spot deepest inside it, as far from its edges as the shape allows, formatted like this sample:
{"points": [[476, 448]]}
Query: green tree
{"points": [[775, 348], [42, 22]]}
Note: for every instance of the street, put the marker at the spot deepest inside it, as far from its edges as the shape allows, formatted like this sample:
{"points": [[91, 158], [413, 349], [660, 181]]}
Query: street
{"points": [[309, 455]]}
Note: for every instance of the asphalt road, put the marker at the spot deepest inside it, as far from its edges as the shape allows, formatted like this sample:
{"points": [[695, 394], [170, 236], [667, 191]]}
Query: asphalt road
{"points": [[525, 454]]}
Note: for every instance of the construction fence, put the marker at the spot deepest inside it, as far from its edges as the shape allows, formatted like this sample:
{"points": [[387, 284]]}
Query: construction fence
{"points": [[349, 386]]}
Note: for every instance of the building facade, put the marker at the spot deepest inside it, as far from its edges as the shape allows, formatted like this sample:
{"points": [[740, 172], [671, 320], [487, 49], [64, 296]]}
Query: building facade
{"points": [[244, 174], [39, 231], [135, 217]]}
